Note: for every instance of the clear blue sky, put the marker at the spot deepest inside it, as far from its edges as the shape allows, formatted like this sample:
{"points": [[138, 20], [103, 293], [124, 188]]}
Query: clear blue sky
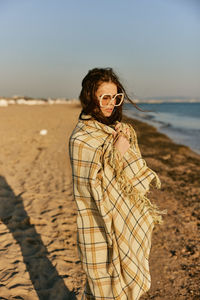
{"points": [[48, 46]]}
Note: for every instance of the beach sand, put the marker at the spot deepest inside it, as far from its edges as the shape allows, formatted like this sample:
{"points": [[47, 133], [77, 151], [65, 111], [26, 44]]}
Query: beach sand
{"points": [[39, 258]]}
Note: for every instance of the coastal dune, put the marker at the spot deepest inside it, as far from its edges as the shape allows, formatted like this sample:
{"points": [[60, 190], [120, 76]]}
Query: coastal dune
{"points": [[39, 258]]}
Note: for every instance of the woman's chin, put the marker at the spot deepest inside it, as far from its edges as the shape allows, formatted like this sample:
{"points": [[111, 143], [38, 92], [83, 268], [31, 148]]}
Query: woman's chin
{"points": [[107, 113]]}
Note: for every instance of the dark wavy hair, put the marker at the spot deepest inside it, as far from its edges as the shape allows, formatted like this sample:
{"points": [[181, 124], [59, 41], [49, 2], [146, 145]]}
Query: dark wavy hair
{"points": [[89, 102]]}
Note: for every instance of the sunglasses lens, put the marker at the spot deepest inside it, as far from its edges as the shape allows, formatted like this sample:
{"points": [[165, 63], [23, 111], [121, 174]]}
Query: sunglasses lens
{"points": [[118, 99], [105, 100]]}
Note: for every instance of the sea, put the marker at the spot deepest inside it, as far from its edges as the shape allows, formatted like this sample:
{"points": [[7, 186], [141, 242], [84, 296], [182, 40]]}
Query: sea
{"points": [[179, 120]]}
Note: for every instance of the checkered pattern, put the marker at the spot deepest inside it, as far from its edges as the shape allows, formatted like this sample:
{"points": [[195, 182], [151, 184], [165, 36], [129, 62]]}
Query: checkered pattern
{"points": [[113, 233]]}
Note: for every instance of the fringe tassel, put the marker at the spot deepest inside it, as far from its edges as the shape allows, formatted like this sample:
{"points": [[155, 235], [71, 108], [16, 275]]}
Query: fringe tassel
{"points": [[137, 198]]}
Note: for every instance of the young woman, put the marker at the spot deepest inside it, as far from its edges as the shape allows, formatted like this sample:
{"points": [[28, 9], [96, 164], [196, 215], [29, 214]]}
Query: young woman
{"points": [[110, 181]]}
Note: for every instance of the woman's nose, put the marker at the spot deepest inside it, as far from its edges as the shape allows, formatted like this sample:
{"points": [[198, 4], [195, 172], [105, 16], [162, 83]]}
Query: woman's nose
{"points": [[112, 101]]}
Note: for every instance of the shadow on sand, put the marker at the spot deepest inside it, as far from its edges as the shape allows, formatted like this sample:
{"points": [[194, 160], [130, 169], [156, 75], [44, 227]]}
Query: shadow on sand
{"points": [[48, 284]]}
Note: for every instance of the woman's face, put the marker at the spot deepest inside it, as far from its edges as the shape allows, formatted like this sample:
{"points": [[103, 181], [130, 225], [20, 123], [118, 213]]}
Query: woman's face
{"points": [[107, 88]]}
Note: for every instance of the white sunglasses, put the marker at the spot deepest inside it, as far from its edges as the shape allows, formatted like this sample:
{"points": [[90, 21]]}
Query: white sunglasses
{"points": [[106, 99]]}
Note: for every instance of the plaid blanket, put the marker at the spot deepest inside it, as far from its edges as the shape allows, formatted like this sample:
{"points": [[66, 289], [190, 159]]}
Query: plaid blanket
{"points": [[115, 218]]}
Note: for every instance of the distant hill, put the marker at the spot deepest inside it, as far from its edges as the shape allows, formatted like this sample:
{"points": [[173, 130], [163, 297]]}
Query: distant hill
{"points": [[169, 98]]}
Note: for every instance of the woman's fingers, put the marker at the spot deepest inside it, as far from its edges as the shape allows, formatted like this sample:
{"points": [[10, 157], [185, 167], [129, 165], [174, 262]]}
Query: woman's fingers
{"points": [[121, 140], [128, 132], [118, 126]]}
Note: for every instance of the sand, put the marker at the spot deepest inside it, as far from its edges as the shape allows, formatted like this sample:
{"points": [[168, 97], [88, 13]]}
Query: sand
{"points": [[39, 258]]}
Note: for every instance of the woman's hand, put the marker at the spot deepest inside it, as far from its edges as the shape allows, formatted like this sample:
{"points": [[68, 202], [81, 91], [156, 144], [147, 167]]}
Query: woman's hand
{"points": [[122, 144]]}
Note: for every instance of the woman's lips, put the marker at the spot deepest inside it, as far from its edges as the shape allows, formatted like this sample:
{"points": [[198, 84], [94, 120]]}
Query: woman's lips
{"points": [[109, 110]]}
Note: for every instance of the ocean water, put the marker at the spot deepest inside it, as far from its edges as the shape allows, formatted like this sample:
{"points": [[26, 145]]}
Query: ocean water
{"points": [[180, 121]]}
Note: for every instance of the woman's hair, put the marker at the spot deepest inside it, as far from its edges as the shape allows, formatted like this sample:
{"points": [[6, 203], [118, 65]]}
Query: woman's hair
{"points": [[89, 102]]}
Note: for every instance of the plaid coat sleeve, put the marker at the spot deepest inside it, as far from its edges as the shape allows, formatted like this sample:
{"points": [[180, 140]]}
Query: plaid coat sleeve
{"points": [[94, 230]]}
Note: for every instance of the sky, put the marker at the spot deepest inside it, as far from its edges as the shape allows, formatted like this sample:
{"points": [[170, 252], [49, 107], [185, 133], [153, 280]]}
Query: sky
{"points": [[47, 47]]}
